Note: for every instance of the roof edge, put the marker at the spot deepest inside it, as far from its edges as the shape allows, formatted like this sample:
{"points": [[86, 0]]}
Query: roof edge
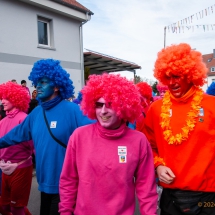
{"points": [[74, 7]]}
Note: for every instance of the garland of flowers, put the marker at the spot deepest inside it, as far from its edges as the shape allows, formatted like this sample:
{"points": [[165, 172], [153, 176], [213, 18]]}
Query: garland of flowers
{"points": [[190, 121], [159, 160]]}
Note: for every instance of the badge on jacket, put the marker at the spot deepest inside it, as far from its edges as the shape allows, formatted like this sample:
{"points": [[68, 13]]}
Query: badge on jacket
{"points": [[53, 124], [122, 152]]}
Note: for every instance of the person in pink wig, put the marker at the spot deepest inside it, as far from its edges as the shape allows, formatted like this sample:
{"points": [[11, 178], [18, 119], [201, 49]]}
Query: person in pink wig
{"points": [[15, 161], [161, 89], [107, 162]]}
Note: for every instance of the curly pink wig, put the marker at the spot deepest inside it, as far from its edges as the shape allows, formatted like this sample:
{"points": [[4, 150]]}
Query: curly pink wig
{"points": [[121, 93], [16, 94], [180, 60], [161, 87]]}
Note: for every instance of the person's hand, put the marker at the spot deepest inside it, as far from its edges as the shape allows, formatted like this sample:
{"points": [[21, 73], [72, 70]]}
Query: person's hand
{"points": [[165, 174]]}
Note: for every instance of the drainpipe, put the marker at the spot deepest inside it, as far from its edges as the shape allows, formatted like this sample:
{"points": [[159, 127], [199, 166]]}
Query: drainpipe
{"points": [[81, 49]]}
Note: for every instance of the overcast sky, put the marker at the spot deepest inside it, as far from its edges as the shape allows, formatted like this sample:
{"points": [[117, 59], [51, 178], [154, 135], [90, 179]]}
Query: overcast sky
{"points": [[133, 30]]}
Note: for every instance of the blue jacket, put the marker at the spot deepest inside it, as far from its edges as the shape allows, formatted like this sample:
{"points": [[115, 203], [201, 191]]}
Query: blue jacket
{"points": [[65, 117]]}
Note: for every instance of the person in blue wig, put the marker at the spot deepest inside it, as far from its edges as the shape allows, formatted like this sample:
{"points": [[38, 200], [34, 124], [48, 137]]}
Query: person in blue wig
{"points": [[211, 89], [49, 125], [78, 99]]}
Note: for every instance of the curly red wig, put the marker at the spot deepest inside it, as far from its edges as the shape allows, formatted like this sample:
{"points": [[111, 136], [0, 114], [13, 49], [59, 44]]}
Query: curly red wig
{"points": [[16, 94], [145, 90], [121, 93], [180, 60]]}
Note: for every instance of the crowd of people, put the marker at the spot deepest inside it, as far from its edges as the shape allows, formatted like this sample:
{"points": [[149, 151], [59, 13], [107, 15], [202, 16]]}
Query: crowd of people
{"points": [[112, 145]]}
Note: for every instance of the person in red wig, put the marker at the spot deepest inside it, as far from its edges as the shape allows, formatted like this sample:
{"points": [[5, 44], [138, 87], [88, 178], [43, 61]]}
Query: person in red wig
{"points": [[146, 100], [103, 159], [181, 130], [15, 161]]}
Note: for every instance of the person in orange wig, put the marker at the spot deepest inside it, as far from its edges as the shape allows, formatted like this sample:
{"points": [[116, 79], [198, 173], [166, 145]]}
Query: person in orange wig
{"points": [[181, 130]]}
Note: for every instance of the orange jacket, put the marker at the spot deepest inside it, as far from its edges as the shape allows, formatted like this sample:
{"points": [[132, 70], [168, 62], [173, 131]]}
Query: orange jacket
{"points": [[193, 161]]}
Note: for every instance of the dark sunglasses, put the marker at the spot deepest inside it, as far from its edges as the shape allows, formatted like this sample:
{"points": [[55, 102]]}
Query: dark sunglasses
{"points": [[100, 105]]}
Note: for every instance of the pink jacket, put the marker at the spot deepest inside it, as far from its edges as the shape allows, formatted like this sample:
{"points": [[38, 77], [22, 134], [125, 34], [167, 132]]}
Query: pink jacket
{"points": [[20, 151], [99, 171]]}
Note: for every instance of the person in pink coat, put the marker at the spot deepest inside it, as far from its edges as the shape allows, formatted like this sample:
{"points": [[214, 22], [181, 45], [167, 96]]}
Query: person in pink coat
{"points": [[106, 162], [15, 161]]}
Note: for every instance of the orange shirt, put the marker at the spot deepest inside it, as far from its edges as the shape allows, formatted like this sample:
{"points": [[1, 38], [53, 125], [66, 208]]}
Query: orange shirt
{"points": [[193, 161]]}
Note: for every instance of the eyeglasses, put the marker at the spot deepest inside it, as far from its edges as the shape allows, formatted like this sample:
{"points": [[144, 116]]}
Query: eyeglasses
{"points": [[100, 105]]}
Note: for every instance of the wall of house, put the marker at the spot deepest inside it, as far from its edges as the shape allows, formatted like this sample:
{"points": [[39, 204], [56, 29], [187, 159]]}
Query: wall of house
{"points": [[209, 80], [19, 42]]}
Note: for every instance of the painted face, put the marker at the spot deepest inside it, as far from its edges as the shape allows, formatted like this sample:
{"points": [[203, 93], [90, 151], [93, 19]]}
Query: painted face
{"points": [[177, 85], [34, 94], [45, 89], [8, 106], [106, 115]]}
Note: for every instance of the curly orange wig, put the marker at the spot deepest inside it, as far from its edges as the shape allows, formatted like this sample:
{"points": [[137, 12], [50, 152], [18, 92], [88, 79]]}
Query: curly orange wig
{"points": [[121, 93], [16, 94], [180, 60]]}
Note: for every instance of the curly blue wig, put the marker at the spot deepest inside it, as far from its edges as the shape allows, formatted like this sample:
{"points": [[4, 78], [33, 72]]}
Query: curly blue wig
{"points": [[52, 69], [211, 89]]}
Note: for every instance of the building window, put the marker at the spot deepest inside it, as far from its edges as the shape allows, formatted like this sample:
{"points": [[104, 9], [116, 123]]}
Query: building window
{"points": [[212, 69], [45, 32]]}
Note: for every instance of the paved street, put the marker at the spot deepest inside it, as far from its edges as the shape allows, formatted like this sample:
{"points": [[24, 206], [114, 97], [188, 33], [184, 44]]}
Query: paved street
{"points": [[34, 201]]}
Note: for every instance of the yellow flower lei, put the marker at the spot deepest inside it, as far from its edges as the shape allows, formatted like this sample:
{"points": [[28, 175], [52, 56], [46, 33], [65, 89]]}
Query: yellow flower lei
{"points": [[190, 121], [159, 160]]}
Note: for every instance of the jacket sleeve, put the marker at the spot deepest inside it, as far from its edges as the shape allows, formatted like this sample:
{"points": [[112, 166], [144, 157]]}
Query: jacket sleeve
{"points": [[149, 132], [19, 134], [145, 182], [69, 180], [80, 118]]}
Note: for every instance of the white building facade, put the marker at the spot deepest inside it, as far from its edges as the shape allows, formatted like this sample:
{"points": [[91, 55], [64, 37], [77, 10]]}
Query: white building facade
{"points": [[209, 60], [31, 30]]}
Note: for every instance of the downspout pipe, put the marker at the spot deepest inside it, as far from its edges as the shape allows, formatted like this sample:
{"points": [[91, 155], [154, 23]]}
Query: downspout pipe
{"points": [[81, 49]]}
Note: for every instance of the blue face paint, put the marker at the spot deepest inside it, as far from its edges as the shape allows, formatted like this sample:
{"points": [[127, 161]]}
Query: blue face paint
{"points": [[45, 89]]}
